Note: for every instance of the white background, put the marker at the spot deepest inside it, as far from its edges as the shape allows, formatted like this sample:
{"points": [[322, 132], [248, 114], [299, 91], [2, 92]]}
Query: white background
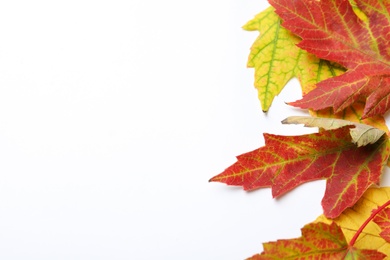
{"points": [[113, 117]]}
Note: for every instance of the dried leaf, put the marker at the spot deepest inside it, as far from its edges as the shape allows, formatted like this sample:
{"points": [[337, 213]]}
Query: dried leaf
{"points": [[361, 134]]}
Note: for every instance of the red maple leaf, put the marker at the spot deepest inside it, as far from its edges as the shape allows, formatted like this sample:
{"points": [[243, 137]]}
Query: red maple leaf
{"points": [[331, 30], [288, 161]]}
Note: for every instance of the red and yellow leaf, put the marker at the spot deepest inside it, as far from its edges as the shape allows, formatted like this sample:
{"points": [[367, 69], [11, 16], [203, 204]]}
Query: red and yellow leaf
{"points": [[353, 218], [288, 161], [318, 241], [331, 30], [276, 59], [383, 221]]}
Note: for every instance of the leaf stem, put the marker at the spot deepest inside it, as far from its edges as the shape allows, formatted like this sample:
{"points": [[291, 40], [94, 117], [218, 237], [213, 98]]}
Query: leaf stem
{"points": [[373, 214]]}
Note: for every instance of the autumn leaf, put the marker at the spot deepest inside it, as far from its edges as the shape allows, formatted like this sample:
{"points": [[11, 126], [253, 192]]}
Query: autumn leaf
{"points": [[288, 161], [354, 114], [383, 221], [352, 219], [358, 233], [277, 59], [318, 241], [339, 51], [331, 30], [361, 134]]}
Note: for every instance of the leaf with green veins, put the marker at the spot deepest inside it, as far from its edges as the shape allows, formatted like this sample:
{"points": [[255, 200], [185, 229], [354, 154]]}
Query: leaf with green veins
{"points": [[361, 134], [318, 241], [276, 59], [331, 30], [288, 161]]}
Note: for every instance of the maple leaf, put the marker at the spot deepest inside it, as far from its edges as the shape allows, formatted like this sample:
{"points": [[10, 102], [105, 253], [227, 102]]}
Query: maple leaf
{"points": [[331, 30], [288, 161], [351, 220], [383, 221], [318, 241], [277, 59]]}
